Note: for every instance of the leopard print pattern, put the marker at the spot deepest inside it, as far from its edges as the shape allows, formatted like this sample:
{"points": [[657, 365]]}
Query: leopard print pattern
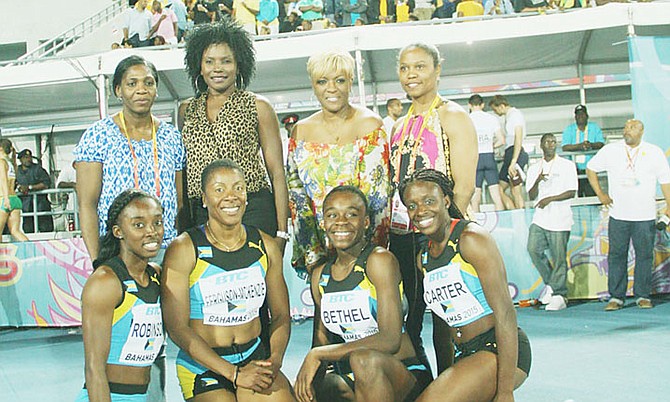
{"points": [[234, 135]]}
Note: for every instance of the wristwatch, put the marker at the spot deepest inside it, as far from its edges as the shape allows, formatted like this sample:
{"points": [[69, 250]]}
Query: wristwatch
{"points": [[283, 235]]}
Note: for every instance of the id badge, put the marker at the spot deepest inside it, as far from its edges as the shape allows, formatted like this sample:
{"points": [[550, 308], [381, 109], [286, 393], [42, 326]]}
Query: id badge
{"points": [[399, 215], [630, 181]]}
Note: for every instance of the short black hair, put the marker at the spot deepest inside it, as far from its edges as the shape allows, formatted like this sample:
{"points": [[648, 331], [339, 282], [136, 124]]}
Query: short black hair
{"points": [[476, 100], [224, 163], [498, 100], [6, 145], [351, 190], [128, 62], [438, 178], [226, 32]]}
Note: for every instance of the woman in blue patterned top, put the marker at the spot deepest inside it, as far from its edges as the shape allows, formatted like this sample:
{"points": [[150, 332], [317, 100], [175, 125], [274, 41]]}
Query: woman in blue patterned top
{"points": [[121, 312], [130, 149]]}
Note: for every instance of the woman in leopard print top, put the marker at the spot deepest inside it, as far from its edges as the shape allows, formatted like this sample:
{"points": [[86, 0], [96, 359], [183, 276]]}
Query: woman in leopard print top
{"points": [[224, 120]]}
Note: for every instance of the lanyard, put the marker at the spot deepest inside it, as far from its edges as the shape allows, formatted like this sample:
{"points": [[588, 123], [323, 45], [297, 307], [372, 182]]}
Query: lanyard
{"points": [[579, 134], [418, 135], [631, 159], [136, 173]]}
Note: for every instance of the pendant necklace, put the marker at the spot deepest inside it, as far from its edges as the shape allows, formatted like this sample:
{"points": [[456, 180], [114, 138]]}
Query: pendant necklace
{"points": [[227, 249]]}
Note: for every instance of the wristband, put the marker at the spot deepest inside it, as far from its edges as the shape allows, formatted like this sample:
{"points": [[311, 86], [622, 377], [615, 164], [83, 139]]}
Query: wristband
{"points": [[237, 372], [283, 235]]}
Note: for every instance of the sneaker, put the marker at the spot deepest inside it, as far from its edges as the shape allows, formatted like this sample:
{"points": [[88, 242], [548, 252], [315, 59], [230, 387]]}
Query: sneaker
{"points": [[545, 296], [557, 303], [643, 303], [614, 304]]}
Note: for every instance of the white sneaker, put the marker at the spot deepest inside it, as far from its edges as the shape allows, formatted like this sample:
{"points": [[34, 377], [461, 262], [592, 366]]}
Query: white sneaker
{"points": [[557, 303], [545, 296]]}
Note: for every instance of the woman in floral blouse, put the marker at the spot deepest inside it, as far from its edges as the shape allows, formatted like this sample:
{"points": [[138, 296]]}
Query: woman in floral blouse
{"points": [[340, 144]]}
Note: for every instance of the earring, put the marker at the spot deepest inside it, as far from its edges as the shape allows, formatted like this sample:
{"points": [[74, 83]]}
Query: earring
{"points": [[246, 202]]}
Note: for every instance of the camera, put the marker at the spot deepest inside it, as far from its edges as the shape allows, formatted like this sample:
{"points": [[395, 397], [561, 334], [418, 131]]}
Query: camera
{"points": [[662, 222]]}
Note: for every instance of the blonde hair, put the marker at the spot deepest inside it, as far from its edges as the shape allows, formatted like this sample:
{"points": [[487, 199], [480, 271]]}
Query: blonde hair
{"points": [[334, 60]]}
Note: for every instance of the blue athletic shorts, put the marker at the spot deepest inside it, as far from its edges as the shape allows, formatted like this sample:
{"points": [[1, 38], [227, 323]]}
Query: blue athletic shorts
{"points": [[487, 169], [120, 393]]}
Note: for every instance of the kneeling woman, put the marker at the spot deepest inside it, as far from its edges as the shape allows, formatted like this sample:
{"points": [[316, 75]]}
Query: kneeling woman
{"points": [[121, 313], [216, 278], [465, 286], [359, 304]]}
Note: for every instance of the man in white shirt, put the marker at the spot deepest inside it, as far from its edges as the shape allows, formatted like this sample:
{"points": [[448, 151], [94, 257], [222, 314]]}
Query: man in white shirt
{"points": [[554, 184], [633, 167], [489, 136], [515, 160], [137, 25], [394, 110]]}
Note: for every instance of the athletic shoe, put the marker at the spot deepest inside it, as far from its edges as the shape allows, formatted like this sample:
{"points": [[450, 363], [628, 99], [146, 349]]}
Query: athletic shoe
{"points": [[557, 303], [644, 303], [614, 304], [545, 296]]}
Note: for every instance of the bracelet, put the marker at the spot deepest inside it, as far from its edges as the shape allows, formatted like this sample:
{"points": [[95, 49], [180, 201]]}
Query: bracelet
{"points": [[283, 235], [237, 372]]}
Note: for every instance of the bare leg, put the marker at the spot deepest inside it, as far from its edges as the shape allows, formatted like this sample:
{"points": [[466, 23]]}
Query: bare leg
{"points": [[476, 199], [280, 391], [472, 379], [507, 201], [3, 220], [494, 190], [380, 377], [333, 388], [14, 223], [517, 196]]}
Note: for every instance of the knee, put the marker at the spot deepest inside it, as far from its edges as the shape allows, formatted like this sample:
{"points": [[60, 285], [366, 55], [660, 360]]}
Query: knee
{"points": [[365, 365]]}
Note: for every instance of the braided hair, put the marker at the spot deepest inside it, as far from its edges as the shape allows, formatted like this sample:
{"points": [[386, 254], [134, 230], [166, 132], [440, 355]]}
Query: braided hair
{"points": [[110, 245], [437, 177]]}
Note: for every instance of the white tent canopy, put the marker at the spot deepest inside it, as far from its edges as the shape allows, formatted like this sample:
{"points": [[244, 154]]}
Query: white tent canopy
{"points": [[522, 56]]}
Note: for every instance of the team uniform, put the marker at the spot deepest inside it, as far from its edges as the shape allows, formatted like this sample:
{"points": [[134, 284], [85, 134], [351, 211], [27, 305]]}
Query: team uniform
{"points": [[453, 292], [349, 313], [226, 289], [137, 330], [14, 200]]}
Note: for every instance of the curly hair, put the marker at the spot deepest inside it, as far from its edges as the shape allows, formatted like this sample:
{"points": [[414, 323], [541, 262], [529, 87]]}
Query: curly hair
{"points": [[110, 245], [432, 176], [225, 31]]}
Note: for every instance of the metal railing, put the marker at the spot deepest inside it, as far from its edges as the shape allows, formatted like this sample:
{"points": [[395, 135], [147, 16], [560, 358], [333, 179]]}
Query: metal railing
{"points": [[70, 36], [61, 202]]}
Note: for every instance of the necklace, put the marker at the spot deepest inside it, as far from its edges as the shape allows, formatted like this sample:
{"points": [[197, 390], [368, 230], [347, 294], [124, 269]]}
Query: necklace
{"points": [[237, 244]]}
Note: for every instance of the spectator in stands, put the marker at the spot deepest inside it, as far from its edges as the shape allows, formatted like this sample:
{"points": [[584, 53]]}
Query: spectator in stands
{"points": [[512, 170], [179, 9], [137, 28], [423, 9], [288, 121], [226, 7], [444, 8], [498, 7], [67, 178], [352, 11], [633, 167], [31, 177], [205, 11], [489, 136], [224, 120], [394, 110], [244, 12], [306, 25], [582, 135], [552, 180], [331, 8], [340, 144], [166, 22], [387, 11], [527, 6], [268, 16], [403, 9], [312, 10], [131, 149], [291, 23], [10, 203], [469, 8], [435, 134]]}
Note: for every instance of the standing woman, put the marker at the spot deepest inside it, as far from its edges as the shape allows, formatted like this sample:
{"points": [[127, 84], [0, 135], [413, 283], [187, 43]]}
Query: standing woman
{"points": [[216, 278], [340, 144], [121, 295], [11, 205], [130, 149], [359, 316], [465, 286], [434, 134], [226, 121]]}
